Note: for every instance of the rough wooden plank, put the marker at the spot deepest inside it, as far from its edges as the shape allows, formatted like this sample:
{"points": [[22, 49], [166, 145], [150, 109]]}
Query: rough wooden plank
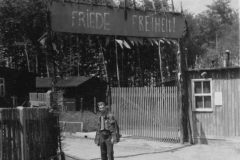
{"points": [[151, 116], [135, 110], [144, 111], [149, 127], [229, 112], [139, 112], [225, 110], [167, 113], [156, 113], [171, 114], [159, 114], [233, 105], [221, 108]]}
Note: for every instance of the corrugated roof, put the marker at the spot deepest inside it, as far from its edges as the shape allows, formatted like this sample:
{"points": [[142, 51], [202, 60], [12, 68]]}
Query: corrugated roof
{"points": [[65, 82]]}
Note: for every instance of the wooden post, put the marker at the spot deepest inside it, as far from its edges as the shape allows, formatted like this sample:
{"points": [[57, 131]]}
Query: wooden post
{"points": [[49, 98], [185, 130], [117, 64], [81, 104], [160, 61], [23, 132], [95, 105], [108, 92], [179, 85]]}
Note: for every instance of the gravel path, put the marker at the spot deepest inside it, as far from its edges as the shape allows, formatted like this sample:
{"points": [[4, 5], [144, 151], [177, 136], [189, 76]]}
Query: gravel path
{"points": [[77, 148]]}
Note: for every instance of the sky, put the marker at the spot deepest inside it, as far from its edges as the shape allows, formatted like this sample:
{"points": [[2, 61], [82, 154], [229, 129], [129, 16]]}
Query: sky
{"points": [[198, 6]]}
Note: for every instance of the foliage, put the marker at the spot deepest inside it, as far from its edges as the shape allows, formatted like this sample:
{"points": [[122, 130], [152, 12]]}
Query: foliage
{"points": [[212, 33], [21, 24], [88, 118]]}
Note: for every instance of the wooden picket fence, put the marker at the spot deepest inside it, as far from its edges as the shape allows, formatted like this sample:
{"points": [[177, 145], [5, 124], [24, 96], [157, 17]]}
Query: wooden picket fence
{"points": [[27, 134], [147, 112]]}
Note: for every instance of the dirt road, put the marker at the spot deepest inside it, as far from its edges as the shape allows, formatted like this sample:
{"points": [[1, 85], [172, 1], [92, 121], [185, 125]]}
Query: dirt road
{"points": [[138, 149]]}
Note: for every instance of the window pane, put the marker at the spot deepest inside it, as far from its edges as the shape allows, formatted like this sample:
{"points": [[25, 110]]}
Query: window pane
{"points": [[207, 102], [206, 87], [199, 102], [198, 87]]}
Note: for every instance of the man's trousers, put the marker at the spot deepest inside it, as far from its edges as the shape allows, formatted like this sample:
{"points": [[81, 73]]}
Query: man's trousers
{"points": [[106, 145]]}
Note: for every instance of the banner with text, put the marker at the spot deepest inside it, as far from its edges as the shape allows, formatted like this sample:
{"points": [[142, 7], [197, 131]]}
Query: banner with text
{"points": [[87, 19]]}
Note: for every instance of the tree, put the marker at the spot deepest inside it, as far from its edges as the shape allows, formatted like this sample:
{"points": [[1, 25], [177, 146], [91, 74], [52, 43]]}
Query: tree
{"points": [[21, 24], [213, 32]]}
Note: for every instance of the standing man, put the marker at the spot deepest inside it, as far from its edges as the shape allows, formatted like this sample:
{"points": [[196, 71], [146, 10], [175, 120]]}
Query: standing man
{"points": [[107, 133]]}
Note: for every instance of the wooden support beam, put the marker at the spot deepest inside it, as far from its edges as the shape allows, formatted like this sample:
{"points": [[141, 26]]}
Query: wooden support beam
{"points": [[185, 127]]}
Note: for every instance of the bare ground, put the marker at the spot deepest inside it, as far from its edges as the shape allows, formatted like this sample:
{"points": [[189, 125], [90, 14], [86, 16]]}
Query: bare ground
{"points": [[77, 148]]}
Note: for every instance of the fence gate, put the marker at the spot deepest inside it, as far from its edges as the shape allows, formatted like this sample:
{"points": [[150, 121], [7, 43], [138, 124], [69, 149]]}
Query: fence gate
{"points": [[27, 133], [147, 112]]}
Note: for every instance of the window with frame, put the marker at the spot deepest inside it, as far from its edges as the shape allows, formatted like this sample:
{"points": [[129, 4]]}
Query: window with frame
{"points": [[2, 87], [202, 94]]}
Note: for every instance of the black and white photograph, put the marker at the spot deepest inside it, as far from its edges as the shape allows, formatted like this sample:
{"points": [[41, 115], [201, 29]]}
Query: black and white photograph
{"points": [[119, 79]]}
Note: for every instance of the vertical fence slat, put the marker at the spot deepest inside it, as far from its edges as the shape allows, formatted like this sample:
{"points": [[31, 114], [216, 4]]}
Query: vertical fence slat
{"points": [[147, 112], [135, 110], [126, 109], [170, 112], [158, 113], [139, 111], [132, 127], [167, 118], [155, 112], [144, 111]]}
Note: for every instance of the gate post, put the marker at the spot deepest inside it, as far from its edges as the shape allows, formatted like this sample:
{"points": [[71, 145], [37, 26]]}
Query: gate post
{"points": [[23, 132], [185, 130]]}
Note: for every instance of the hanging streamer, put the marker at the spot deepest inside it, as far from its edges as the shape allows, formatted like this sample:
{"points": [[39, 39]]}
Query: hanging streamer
{"points": [[175, 42], [126, 44], [131, 40], [149, 39], [134, 41], [156, 42], [166, 40], [123, 43], [140, 40], [120, 42]]}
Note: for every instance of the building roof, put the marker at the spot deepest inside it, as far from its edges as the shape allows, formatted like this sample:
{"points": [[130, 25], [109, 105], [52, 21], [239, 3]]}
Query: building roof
{"points": [[62, 82]]}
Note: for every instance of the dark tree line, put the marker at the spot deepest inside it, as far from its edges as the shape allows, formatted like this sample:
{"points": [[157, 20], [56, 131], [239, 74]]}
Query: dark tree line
{"points": [[26, 43]]}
